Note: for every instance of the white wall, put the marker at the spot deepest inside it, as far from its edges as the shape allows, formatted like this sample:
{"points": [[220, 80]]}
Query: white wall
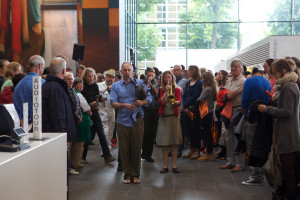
{"points": [[282, 46], [208, 58]]}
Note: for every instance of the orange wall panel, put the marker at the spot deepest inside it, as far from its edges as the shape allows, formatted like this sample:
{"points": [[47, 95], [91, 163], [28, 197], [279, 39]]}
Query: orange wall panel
{"points": [[114, 17], [95, 3]]}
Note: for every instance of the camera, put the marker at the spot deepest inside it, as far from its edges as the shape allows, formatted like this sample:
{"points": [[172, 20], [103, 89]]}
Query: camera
{"points": [[100, 98]]}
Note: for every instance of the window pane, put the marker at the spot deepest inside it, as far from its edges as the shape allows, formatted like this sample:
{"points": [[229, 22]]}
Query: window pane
{"points": [[266, 10], [172, 37], [164, 11], [214, 10], [159, 45], [149, 38], [254, 32], [210, 43], [297, 28], [212, 36], [297, 10]]}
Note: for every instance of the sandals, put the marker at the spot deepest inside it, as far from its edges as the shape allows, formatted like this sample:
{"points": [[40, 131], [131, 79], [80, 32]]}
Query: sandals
{"points": [[127, 181], [136, 181]]}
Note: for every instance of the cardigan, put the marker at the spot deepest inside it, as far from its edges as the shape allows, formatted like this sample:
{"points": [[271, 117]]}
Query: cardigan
{"points": [[161, 104], [287, 130]]}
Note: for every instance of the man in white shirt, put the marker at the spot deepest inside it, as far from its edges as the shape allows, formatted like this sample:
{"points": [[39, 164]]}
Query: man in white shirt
{"points": [[106, 111]]}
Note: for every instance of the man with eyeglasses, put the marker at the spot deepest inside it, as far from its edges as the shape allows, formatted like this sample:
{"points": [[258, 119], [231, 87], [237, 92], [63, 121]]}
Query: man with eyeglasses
{"points": [[235, 86]]}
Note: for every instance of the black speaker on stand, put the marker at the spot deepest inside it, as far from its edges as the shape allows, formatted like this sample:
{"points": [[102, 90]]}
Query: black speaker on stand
{"points": [[78, 54]]}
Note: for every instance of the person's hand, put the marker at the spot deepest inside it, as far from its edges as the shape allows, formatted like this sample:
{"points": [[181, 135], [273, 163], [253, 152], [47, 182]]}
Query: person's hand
{"points": [[129, 106], [79, 120], [168, 87], [185, 110], [89, 112], [231, 95], [138, 103], [93, 104], [261, 108], [148, 82], [21, 123], [275, 96]]}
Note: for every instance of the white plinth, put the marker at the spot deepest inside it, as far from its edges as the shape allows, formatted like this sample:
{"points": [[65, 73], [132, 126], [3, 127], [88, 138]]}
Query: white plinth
{"points": [[37, 173]]}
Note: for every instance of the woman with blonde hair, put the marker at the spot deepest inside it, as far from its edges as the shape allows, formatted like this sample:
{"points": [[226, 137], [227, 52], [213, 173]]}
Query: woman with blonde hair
{"points": [[91, 94], [169, 129]]}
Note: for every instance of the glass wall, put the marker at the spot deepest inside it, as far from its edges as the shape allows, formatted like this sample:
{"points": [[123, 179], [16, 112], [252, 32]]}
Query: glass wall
{"points": [[130, 29], [204, 32]]}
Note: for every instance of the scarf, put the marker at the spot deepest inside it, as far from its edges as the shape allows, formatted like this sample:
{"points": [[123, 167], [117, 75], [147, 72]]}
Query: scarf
{"points": [[287, 77]]}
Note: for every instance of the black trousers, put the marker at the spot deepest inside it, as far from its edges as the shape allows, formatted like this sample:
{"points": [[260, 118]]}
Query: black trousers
{"points": [[97, 128], [194, 131], [206, 123], [150, 129]]}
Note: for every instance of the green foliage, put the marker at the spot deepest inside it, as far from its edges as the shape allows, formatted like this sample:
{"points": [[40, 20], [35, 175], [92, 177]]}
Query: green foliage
{"points": [[147, 5], [205, 35], [283, 12], [148, 38]]}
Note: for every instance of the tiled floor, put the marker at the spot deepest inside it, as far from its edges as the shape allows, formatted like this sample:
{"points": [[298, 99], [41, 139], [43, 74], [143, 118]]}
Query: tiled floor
{"points": [[197, 180]]}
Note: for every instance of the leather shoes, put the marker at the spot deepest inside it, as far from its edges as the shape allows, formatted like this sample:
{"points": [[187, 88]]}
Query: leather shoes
{"points": [[149, 159], [237, 169], [164, 170], [175, 170], [226, 166]]}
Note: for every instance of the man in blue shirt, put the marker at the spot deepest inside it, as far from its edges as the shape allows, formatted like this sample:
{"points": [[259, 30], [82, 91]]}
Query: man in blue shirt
{"points": [[23, 91], [130, 123], [254, 89]]}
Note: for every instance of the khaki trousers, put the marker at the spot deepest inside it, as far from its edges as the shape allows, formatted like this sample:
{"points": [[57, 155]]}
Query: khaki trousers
{"points": [[130, 144], [76, 153]]}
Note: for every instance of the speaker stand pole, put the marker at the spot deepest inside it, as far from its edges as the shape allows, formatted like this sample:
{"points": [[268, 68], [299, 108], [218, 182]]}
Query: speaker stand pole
{"points": [[77, 64]]}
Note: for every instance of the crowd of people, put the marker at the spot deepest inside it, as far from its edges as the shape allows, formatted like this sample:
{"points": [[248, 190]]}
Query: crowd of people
{"points": [[245, 118]]}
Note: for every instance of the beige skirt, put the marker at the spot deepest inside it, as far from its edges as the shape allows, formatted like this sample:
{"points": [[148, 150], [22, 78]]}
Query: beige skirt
{"points": [[169, 131]]}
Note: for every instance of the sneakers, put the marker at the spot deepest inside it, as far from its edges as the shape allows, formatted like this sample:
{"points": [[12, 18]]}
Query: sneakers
{"points": [[110, 159], [253, 182], [114, 143], [73, 172]]}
